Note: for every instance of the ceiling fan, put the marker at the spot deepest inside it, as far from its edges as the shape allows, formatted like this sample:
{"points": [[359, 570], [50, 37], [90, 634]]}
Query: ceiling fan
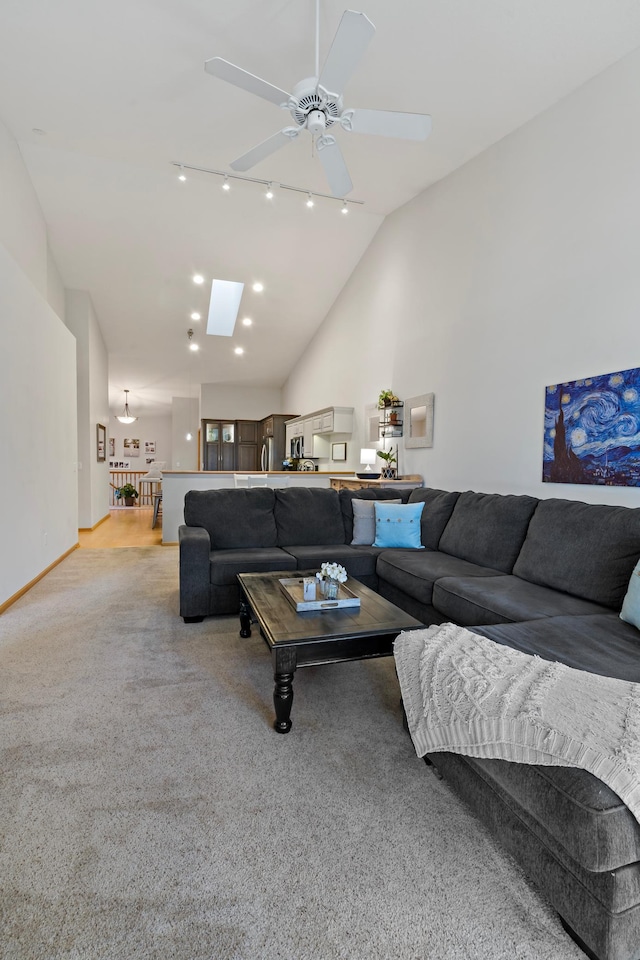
{"points": [[316, 103]]}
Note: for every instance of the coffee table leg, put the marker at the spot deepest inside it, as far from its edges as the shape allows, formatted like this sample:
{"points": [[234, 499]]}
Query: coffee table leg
{"points": [[284, 662], [245, 619]]}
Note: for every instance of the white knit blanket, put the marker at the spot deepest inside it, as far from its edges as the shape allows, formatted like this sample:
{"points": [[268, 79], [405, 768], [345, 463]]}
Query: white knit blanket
{"points": [[466, 694]]}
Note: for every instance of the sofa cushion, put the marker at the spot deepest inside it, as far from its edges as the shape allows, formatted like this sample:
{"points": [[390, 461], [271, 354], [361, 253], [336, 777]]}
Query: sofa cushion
{"points": [[504, 599], [438, 507], [599, 643], [233, 518], [224, 565], [585, 549], [630, 612], [364, 520], [398, 525], [358, 561], [308, 516], [488, 528], [415, 572], [579, 811], [365, 493]]}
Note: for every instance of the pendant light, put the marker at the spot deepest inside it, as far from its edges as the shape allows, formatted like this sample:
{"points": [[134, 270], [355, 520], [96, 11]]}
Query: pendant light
{"points": [[125, 416]]}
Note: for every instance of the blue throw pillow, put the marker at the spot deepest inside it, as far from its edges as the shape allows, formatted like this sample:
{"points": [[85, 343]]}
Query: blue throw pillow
{"points": [[398, 525], [630, 612]]}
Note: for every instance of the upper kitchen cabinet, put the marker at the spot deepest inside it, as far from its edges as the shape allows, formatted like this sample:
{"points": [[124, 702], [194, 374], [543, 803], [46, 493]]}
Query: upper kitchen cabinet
{"points": [[218, 445], [333, 420]]}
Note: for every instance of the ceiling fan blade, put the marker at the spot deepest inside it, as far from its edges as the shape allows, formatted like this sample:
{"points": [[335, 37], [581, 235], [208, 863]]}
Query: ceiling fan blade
{"points": [[388, 123], [218, 67], [265, 149], [335, 168], [352, 38]]}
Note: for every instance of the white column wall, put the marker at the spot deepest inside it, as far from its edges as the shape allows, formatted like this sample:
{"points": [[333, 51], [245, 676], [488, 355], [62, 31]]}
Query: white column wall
{"points": [[516, 271], [184, 420], [38, 490], [93, 407]]}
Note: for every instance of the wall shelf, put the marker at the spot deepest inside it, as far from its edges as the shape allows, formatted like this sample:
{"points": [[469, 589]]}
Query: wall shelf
{"points": [[390, 423]]}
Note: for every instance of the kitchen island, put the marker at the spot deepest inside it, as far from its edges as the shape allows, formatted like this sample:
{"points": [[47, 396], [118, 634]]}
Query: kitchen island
{"points": [[176, 483]]}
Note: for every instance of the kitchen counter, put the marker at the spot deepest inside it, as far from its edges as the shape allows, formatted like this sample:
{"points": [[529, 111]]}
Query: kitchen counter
{"points": [[352, 482], [176, 483]]}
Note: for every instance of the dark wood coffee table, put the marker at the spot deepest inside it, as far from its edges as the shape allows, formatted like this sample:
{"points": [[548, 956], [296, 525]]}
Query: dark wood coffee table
{"points": [[315, 637]]}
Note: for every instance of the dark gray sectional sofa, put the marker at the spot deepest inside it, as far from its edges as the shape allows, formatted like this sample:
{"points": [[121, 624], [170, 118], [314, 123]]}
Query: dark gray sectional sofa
{"points": [[547, 577]]}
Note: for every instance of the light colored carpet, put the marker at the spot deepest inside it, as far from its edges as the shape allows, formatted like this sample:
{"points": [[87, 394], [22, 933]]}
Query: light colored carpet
{"points": [[150, 812]]}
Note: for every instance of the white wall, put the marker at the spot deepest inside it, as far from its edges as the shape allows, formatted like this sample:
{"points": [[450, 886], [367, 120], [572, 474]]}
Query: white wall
{"points": [[517, 271], [185, 419], [237, 402], [145, 429], [93, 407], [38, 489]]}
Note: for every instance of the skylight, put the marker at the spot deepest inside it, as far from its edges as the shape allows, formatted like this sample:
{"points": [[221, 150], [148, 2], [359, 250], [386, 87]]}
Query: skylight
{"points": [[223, 307]]}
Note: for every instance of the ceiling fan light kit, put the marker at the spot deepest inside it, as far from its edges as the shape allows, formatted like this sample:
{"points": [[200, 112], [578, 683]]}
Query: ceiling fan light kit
{"points": [[316, 104]]}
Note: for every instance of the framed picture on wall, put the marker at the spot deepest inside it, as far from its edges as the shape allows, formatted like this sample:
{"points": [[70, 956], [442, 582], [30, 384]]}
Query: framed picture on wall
{"points": [[338, 451], [149, 446], [112, 447], [101, 439]]}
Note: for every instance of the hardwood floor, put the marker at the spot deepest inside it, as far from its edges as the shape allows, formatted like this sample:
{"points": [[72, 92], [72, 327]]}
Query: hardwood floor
{"points": [[125, 527]]}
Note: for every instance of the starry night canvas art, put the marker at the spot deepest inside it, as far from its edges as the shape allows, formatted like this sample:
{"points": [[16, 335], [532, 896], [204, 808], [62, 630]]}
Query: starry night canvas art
{"points": [[592, 430]]}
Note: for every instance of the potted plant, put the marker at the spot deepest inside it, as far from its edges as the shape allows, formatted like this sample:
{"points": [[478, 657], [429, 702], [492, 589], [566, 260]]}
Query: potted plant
{"points": [[387, 398], [128, 493], [390, 459]]}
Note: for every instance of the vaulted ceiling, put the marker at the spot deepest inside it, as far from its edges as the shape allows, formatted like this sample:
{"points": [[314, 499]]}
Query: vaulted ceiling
{"points": [[104, 97]]}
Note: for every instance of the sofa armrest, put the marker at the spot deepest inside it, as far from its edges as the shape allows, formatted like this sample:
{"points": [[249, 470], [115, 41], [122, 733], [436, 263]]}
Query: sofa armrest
{"points": [[195, 549]]}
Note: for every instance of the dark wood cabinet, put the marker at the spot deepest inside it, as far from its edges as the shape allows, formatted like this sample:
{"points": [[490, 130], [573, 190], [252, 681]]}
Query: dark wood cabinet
{"points": [[247, 446], [230, 445], [247, 431]]}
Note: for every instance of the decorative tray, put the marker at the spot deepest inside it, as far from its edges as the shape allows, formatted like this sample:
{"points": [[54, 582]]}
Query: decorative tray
{"points": [[292, 589]]}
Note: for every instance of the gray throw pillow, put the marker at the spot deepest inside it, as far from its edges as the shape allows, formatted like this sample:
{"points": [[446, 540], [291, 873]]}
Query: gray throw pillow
{"points": [[364, 520]]}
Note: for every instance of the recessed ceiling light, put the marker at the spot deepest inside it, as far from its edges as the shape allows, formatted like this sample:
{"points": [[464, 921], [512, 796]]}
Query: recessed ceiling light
{"points": [[309, 201], [196, 316], [258, 287], [181, 175], [226, 185], [239, 350], [269, 193], [194, 347], [198, 278], [247, 321], [344, 208]]}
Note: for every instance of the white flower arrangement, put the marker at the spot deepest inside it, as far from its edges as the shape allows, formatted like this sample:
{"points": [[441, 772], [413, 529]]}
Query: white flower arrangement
{"points": [[332, 571]]}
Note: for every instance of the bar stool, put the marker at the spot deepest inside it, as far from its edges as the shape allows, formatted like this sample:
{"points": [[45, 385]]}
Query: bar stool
{"points": [[157, 507]]}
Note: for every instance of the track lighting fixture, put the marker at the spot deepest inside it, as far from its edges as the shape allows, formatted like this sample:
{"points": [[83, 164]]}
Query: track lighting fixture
{"points": [[268, 184], [125, 416]]}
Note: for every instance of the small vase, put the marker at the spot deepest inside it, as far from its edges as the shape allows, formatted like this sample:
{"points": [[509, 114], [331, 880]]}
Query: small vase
{"points": [[388, 473], [331, 589]]}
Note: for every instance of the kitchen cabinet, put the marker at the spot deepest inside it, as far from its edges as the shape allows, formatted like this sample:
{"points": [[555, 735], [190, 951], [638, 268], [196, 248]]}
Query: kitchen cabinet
{"points": [[247, 445], [218, 445], [333, 420], [275, 441]]}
